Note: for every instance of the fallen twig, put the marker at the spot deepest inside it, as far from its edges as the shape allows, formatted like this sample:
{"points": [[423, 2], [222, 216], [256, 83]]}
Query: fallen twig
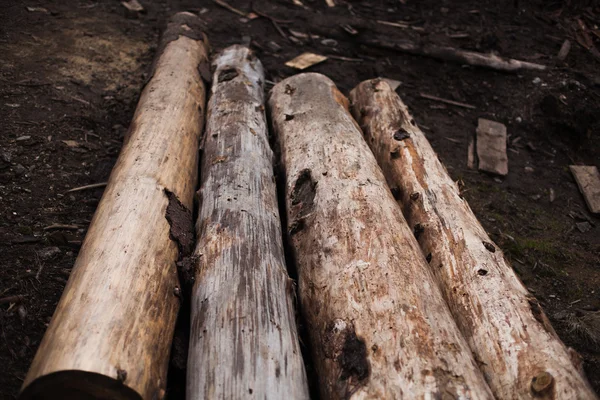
{"points": [[12, 299], [342, 58], [92, 186], [452, 102], [61, 226], [491, 61], [234, 10]]}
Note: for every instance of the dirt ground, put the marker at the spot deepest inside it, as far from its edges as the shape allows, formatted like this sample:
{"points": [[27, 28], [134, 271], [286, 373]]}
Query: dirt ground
{"points": [[71, 73]]}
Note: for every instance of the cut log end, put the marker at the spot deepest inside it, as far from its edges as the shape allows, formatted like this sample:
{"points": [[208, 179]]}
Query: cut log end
{"points": [[81, 385]]}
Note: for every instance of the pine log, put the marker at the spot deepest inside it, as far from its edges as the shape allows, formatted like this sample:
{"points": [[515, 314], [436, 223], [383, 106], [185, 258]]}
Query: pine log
{"points": [[110, 335], [378, 325], [513, 341], [244, 341]]}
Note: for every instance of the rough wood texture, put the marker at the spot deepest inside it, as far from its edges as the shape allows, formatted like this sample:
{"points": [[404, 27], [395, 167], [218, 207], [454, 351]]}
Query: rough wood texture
{"points": [[244, 342], [588, 181], [378, 325], [110, 334], [511, 337], [491, 147]]}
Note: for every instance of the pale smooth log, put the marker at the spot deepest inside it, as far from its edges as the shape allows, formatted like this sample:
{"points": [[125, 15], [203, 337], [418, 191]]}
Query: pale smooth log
{"points": [[378, 325], [110, 335], [512, 339], [243, 342]]}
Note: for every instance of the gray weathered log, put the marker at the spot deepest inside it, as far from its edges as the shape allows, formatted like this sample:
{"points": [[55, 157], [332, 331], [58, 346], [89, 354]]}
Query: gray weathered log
{"points": [[243, 342], [512, 339], [378, 325], [111, 332]]}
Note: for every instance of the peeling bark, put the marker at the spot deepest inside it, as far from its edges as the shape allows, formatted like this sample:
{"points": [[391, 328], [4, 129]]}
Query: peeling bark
{"points": [[111, 332], [378, 325], [517, 349], [243, 341]]}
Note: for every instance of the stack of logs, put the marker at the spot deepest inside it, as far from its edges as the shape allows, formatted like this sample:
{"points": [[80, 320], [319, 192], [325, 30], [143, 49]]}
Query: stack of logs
{"points": [[402, 292]]}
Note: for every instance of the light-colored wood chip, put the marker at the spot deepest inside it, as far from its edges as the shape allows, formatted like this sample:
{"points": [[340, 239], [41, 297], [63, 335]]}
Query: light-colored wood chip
{"points": [[305, 60], [588, 180], [491, 147]]}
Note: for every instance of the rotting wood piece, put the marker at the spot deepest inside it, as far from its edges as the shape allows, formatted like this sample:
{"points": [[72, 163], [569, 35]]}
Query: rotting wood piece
{"points": [[110, 336], [243, 341], [512, 339], [588, 181], [378, 325], [460, 56]]}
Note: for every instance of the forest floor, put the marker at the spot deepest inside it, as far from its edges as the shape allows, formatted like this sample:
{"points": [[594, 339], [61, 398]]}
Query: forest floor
{"points": [[71, 74]]}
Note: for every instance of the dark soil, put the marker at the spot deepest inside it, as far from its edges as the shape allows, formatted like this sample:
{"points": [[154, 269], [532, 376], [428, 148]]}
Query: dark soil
{"points": [[71, 73]]}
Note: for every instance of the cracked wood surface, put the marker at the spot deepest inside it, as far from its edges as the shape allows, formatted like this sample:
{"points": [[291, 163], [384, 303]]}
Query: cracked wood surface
{"points": [[513, 341], [244, 341], [378, 325], [110, 335]]}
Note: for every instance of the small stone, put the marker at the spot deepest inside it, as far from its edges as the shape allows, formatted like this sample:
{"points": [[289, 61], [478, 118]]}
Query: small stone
{"points": [[519, 120], [497, 180], [329, 42], [528, 169], [48, 253], [23, 138], [552, 195], [536, 81], [583, 227], [22, 312], [19, 170], [536, 197]]}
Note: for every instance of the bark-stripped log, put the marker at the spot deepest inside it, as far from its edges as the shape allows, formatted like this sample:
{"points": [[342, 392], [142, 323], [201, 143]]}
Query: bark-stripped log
{"points": [[378, 324], [111, 333], [516, 347], [243, 341]]}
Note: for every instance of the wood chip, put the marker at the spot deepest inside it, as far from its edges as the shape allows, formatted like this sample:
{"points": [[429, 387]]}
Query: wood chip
{"points": [[394, 84], [305, 60], [133, 5], [588, 180], [71, 143], [564, 50], [491, 147], [330, 3]]}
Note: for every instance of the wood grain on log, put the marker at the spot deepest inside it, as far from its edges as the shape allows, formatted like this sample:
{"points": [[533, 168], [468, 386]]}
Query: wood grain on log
{"points": [[111, 332], [378, 325], [244, 342], [514, 343]]}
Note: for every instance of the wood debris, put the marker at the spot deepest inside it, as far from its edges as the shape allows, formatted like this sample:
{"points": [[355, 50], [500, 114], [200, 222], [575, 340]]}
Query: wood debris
{"points": [[394, 84], [564, 50], [452, 54], [491, 147], [330, 3], [588, 180], [133, 6], [71, 143], [234, 10], [452, 102], [92, 186], [305, 60]]}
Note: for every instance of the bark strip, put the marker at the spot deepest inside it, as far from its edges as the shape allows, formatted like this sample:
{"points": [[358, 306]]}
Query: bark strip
{"points": [[378, 325], [111, 332], [516, 348], [243, 342]]}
